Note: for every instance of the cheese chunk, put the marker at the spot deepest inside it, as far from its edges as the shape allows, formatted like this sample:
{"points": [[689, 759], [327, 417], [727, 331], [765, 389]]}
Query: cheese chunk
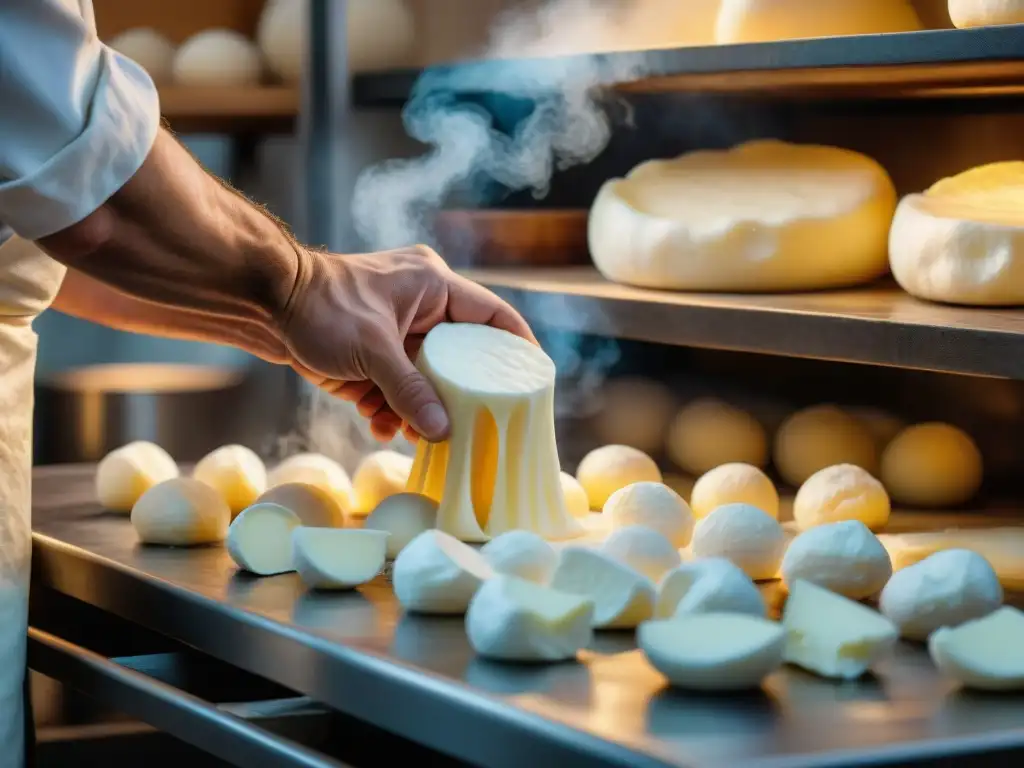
{"points": [[181, 512], [378, 476], [314, 469], [831, 635], [760, 21], [634, 412], [576, 501], [751, 219], [260, 539], [643, 549], [404, 516], [510, 619], [126, 473], [1001, 547], [985, 13], [712, 585], [822, 436], [943, 590], [709, 432], [744, 535], [932, 465], [962, 241], [605, 470], [314, 506], [236, 473], [522, 554], [734, 484], [653, 505], [986, 654], [337, 558], [713, 651], [841, 492], [499, 470], [844, 557], [622, 597], [438, 574]]}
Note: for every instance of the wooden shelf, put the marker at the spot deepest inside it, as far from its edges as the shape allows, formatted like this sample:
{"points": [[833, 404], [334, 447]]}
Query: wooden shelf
{"points": [[262, 109], [878, 325]]}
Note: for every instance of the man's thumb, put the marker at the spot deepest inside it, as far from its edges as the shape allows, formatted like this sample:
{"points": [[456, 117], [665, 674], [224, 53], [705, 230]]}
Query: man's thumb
{"points": [[407, 390]]}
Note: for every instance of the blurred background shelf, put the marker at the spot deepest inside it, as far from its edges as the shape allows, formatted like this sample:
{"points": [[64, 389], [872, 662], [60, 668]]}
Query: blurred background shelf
{"points": [[264, 109]]}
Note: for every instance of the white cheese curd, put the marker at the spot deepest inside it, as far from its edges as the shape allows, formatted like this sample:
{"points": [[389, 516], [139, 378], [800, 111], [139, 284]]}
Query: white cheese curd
{"points": [[643, 549], [986, 654], [844, 557], [522, 554], [124, 474], [260, 539], [745, 535], [714, 585], [438, 574], [181, 512], [622, 597], [841, 492], [605, 470], [653, 505], [337, 558]]}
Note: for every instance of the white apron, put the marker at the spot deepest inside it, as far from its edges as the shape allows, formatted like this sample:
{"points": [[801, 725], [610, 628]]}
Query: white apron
{"points": [[29, 280]]}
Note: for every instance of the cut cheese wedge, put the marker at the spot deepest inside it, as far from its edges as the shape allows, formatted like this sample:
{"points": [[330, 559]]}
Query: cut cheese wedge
{"points": [[760, 21], [510, 619], [622, 597], [831, 635], [260, 539], [404, 516], [986, 654], [962, 241], [315, 506], [985, 13], [438, 574], [748, 219], [499, 470], [1003, 548], [338, 558], [522, 554], [714, 585], [713, 651]]}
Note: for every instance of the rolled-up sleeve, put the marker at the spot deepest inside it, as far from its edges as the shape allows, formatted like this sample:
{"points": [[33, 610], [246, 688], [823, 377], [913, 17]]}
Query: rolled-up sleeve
{"points": [[77, 119]]}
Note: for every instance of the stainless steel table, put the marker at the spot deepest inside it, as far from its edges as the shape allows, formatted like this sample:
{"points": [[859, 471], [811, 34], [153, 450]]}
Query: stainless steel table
{"points": [[417, 677]]}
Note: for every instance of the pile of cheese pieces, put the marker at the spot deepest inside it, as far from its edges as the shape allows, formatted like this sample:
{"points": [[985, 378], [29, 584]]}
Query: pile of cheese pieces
{"points": [[289, 519]]}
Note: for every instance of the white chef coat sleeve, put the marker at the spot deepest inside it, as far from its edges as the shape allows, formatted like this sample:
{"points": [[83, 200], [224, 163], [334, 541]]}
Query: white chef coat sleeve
{"points": [[77, 119]]}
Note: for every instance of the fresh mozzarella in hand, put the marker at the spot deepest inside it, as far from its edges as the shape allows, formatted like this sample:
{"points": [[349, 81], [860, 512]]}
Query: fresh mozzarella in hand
{"points": [[260, 539], [622, 597], [437, 573], [714, 585]]}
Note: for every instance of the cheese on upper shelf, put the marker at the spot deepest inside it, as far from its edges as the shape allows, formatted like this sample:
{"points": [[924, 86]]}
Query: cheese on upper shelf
{"points": [[758, 21], [985, 13], [962, 241], [753, 218], [499, 469]]}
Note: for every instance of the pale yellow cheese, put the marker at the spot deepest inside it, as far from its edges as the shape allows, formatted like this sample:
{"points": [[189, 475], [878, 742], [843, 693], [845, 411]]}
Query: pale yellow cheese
{"points": [[610, 468], [236, 473], [758, 21], [708, 433], [499, 469], [634, 412], [181, 512], [126, 473], [822, 436], [314, 506], [314, 469], [932, 465], [985, 13], [378, 476]]}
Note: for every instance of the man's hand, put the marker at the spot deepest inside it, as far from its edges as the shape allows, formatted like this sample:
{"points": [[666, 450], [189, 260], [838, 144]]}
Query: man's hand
{"points": [[355, 324]]}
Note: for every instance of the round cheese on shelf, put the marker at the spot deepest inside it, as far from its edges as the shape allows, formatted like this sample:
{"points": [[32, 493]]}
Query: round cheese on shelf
{"points": [[522, 554], [181, 512], [932, 465], [844, 557], [605, 470], [713, 651], [711, 585], [822, 436], [842, 492], [985, 13], [643, 549], [750, 538], [962, 241], [236, 473], [943, 590], [260, 539], [653, 505], [708, 432], [883, 426], [734, 483], [379, 475], [217, 57], [314, 506], [124, 474], [576, 501], [337, 558], [404, 516], [986, 654], [438, 574], [634, 412], [622, 597], [752, 218], [314, 469], [763, 21], [149, 49]]}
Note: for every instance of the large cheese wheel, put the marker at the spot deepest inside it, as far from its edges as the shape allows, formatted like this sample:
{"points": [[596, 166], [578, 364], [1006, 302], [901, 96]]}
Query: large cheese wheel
{"points": [[758, 21], [962, 241], [752, 218], [985, 13]]}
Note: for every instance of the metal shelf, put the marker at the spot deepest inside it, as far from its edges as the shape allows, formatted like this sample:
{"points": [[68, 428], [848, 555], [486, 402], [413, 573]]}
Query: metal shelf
{"points": [[878, 325]]}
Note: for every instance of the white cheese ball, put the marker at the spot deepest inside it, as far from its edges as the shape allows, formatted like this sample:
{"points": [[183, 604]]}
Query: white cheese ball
{"points": [[751, 539], [653, 505], [932, 465], [842, 492], [605, 470], [378, 476], [522, 554], [712, 585], [149, 49], [822, 436], [943, 590], [709, 432], [405, 516], [126, 473], [236, 473], [643, 549], [634, 412], [844, 557], [438, 574], [181, 512], [734, 484], [314, 469], [576, 501], [217, 57]]}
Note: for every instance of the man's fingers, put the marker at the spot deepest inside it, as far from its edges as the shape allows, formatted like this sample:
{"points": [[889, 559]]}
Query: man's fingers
{"points": [[472, 303], [406, 390]]}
